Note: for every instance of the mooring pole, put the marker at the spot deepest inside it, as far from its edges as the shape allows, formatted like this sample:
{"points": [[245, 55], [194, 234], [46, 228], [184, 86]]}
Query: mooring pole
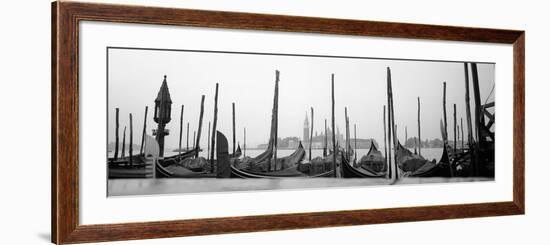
{"points": [[389, 127], [445, 113], [244, 143], [454, 127], [233, 105], [347, 132], [208, 143], [473, 163], [386, 145], [462, 132], [479, 117], [144, 131], [326, 140], [393, 123], [334, 150], [181, 132], [187, 138], [355, 139], [467, 100], [275, 139], [131, 147], [122, 155], [194, 137], [214, 124], [199, 130], [311, 134], [116, 133], [458, 137], [419, 139]]}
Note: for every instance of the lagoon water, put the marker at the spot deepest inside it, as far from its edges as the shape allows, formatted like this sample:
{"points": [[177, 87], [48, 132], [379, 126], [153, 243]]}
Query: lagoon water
{"points": [[124, 187]]}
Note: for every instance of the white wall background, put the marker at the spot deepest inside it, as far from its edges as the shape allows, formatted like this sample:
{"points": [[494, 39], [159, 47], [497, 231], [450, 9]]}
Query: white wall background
{"points": [[25, 121]]}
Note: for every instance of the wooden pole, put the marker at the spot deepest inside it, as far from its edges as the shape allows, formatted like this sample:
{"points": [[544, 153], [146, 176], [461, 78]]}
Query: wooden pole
{"points": [[194, 138], [326, 140], [214, 124], [454, 127], [334, 150], [473, 169], [273, 126], [233, 104], [355, 139], [445, 141], [311, 134], [419, 139], [462, 132], [116, 133], [467, 100], [181, 132], [187, 138], [389, 128], [276, 119], [208, 143], [395, 134], [244, 144], [349, 137], [199, 130], [131, 146], [144, 131], [479, 118], [458, 137], [347, 132], [392, 128], [386, 144], [122, 155]]}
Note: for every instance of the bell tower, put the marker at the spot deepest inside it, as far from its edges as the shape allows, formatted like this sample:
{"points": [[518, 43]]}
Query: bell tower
{"points": [[163, 109], [306, 130]]}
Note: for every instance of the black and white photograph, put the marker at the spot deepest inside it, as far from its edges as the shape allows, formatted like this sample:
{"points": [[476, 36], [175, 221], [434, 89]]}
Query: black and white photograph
{"points": [[194, 121]]}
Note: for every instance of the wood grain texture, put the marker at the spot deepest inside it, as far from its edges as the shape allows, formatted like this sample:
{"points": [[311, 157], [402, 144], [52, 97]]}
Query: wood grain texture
{"points": [[65, 121], [519, 123]]}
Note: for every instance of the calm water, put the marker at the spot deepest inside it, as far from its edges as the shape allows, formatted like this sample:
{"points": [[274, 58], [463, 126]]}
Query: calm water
{"points": [[120, 187]]}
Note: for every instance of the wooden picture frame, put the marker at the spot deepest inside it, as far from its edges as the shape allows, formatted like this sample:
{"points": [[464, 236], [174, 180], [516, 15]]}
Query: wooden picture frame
{"points": [[65, 121]]}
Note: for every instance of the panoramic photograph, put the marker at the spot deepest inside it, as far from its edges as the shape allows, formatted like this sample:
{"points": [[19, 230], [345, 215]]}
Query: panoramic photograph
{"points": [[197, 121]]}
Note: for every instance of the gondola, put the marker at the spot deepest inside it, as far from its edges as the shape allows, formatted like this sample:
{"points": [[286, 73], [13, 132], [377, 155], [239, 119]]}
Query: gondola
{"points": [[373, 161], [176, 171], [317, 165], [291, 160], [237, 154], [142, 164], [196, 166], [431, 169], [136, 159], [408, 161], [261, 162], [122, 170], [349, 171], [286, 173], [178, 157]]}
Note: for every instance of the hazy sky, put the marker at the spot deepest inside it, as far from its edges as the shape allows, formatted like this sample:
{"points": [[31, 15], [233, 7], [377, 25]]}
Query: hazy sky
{"points": [[248, 80]]}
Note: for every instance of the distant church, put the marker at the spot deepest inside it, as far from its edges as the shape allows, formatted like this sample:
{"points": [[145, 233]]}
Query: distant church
{"points": [[319, 138]]}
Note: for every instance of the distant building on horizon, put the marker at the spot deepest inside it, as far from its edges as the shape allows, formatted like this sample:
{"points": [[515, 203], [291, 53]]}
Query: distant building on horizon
{"points": [[318, 140]]}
